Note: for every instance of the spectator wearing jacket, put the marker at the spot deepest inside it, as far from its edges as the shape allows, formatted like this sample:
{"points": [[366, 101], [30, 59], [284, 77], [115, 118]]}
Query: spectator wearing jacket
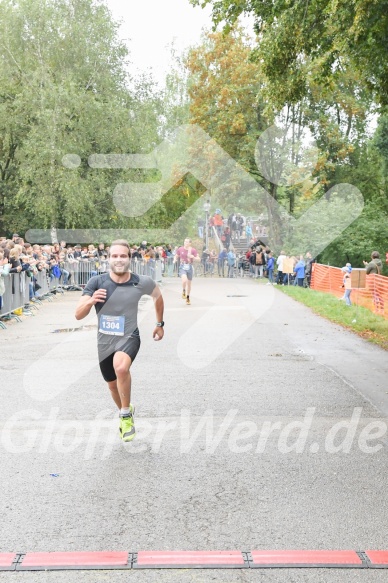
{"points": [[77, 252], [225, 238], [14, 260], [62, 259], [18, 264], [299, 271], [4, 270], [205, 260], [101, 252], [136, 255], [213, 259], [258, 261], [221, 262], [248, 257], [232, 224], [239, 226], [309, 267], [55, 250], [231, 259], [375, 265], [218, 222], [279, 263], [270, 267]]}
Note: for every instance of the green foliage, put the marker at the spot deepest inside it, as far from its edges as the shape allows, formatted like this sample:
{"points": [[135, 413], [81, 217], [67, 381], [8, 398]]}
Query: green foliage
{"points": [[381, 143], [324, 31], [229, 91], [368, 233], [64, 90]]}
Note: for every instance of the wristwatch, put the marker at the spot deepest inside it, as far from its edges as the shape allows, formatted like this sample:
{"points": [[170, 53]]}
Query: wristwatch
{"points": [[160, 324]]}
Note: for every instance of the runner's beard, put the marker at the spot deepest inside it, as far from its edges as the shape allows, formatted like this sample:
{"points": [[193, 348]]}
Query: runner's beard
{"points": [[121, 267]]}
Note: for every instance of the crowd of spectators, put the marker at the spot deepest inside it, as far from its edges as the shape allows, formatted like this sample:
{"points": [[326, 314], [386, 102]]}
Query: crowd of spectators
{"points": [[63, 261], [259, 262], [60, 260], [236, 227]]}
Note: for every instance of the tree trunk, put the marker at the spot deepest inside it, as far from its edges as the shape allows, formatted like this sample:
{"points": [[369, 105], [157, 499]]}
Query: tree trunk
{"points": [[274, 219], [54, 235]]}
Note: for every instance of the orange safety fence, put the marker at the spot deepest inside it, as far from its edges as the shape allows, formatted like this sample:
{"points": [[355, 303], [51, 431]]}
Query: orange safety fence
{"points": [[369, 291]]}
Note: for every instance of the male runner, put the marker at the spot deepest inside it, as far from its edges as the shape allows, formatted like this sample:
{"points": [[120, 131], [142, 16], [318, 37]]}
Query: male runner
{"points": [[187, 255], [116, 296]]}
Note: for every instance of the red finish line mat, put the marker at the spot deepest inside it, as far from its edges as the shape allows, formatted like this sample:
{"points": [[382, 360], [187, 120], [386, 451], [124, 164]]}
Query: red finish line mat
{"points": [[306, 559], [257, 559], [377, 559], [68, 561], [8, 561], [190, 559]]}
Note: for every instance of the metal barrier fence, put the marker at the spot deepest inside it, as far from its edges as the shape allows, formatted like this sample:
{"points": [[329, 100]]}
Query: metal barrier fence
{"points": [[19, 288], [81, 271], [373, 296], [169, 268], [16, 293], [22, 293], [153, 268]]}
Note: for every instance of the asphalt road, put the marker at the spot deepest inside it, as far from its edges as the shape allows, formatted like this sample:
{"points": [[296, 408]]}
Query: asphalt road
{"points": [[238, 444]]}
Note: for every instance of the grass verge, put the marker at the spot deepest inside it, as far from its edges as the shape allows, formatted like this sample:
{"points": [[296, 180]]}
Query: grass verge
{"points": [[363, 322]]}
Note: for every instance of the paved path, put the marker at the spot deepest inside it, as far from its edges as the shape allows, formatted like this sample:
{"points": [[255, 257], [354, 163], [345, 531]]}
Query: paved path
{"points": [[240, 368]]}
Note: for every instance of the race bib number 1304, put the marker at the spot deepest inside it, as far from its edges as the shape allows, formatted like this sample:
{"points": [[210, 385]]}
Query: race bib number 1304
{"points": [[113, 325]]}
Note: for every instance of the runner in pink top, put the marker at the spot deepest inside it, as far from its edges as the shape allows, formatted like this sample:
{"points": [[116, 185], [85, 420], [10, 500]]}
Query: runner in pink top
{"points": [[187, 255]]}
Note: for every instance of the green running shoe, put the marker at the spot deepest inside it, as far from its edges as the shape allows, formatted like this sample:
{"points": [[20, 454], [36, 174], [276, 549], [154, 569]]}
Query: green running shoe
{"points": [[132, 412], [127, 427]]}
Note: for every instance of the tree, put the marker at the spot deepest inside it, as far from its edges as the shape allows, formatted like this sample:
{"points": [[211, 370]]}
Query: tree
{"points": [[64, 90], [228, 91], [381, 143], [321, 30], [225, 91]]}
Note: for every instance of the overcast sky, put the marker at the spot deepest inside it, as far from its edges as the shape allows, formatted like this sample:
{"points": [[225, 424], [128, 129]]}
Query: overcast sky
{"points": [[150, 26]]}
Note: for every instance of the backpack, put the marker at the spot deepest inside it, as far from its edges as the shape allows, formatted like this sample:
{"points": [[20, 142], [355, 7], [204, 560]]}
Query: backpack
{"points": [[259, 258]]}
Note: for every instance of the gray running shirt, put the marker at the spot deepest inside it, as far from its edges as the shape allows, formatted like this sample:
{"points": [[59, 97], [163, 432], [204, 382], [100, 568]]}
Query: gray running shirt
{"points": [[117, 316]]}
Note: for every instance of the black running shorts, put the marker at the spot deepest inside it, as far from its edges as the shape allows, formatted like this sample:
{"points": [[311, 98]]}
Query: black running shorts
{"points": [[131, 347]]}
